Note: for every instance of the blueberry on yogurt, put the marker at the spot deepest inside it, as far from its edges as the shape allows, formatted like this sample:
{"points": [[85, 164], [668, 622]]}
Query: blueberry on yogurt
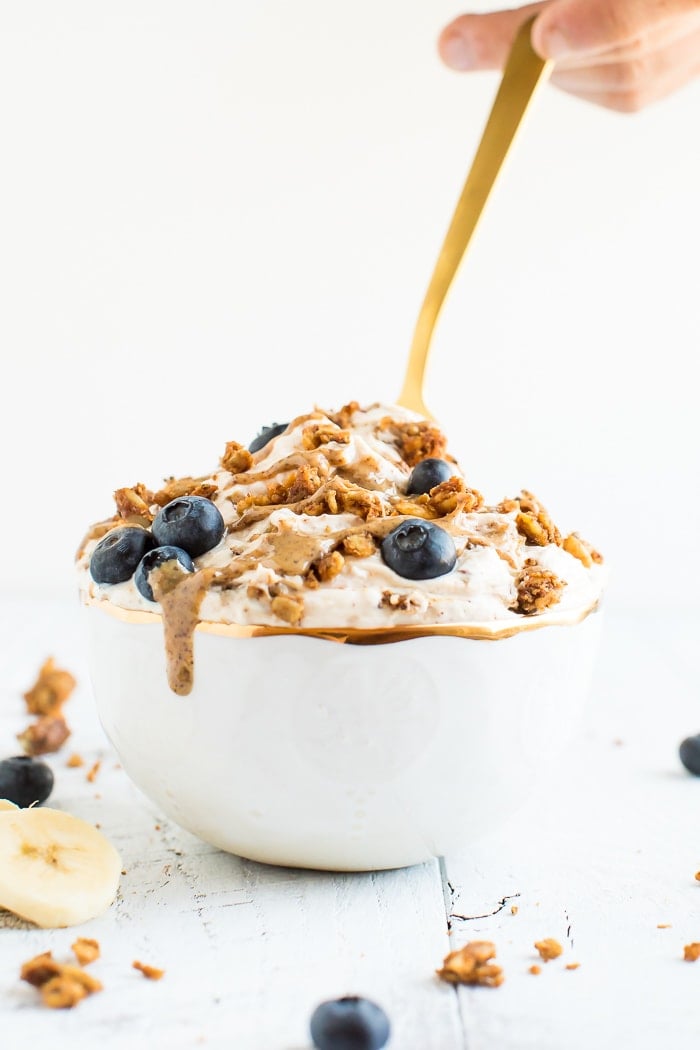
{"points": [[153, 560], [266, 435], [419, 550], [350, 1023], [427, 474], [192, 523], [116, 556]]}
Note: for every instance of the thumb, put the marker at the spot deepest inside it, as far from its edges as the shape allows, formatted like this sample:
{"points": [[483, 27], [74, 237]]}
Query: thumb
{"points": [[483, 41]]}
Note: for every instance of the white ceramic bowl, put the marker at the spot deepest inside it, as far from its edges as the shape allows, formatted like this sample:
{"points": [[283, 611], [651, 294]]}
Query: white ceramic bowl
{"points": [[306, 752]]}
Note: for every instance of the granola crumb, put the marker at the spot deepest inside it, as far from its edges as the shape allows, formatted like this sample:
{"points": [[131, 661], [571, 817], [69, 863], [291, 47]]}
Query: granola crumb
{"points": [[514, 909], [62, 985], [697, 876], [358, 544], [61, 993], [663, 925], [535, 969], [328, 566], [93, 771], [236, 458], [538, 589], [417, 441], [133, 504], [75, 761], [151, 972], [288, 608], [52, 688], [471, 965], [48, 734], [574, 545], [39, 969], [572, 966], [86, 950], [534, 523], [174, 488], [399, 602], [549, 949], [691, 952]]}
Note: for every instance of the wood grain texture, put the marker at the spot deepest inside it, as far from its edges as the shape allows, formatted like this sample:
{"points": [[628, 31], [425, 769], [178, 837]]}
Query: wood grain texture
{"points": [[598, 857]]}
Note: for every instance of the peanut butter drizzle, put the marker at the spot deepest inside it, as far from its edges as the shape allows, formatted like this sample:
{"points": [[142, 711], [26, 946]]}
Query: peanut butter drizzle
{"points": [[293, 553], [180, 595]]}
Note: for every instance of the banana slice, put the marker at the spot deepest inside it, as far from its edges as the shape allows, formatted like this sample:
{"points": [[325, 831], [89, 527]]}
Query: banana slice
{"points": [[55, 869], [5, 804]]}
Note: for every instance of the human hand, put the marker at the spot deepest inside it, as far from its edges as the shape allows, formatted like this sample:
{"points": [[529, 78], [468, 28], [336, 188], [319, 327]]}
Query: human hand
{"points": [[622, 54]]}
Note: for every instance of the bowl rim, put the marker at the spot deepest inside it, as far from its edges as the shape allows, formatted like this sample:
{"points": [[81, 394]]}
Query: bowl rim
{"points": [[478, 630]]}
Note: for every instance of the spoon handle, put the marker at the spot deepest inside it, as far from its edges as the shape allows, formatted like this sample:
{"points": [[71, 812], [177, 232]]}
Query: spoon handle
{"points": [[523, 71]]}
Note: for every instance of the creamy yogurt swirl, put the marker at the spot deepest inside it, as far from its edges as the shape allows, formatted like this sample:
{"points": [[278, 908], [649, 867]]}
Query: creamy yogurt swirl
{"points": [[306, 515]]}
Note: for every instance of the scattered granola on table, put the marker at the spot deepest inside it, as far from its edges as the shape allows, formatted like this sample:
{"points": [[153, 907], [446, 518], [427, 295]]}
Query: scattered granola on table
{"points": [[691, 952], [86, 950], [52, 688], [91, 774], [62, 985], [548, 949], [45, 700], [472, 965], [151, 972]]}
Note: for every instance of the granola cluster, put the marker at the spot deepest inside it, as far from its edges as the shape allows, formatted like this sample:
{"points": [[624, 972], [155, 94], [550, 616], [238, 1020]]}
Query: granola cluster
{"points": [[307, 514], [472, 964], [63, 985], [45, 700]]}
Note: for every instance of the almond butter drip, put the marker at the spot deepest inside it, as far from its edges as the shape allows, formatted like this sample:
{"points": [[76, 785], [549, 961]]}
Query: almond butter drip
{"points": [[180, 595], [292, 552]]}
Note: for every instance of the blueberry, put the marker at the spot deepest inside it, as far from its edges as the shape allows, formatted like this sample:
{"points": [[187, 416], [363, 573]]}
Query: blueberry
{"points": [[25, 780], [153, 560], [191, 522], [265, 435], [689, 752], [427, 474], [419, 550], [349, 1024], [116, 556]]}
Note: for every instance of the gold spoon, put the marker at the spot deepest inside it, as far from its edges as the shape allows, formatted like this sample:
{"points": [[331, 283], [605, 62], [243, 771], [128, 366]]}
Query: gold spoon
{"points": [[524, 70]]}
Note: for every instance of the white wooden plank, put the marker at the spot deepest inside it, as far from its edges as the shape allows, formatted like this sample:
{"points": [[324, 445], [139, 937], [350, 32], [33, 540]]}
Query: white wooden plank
{"points": [[601, 856], [249, 950]]}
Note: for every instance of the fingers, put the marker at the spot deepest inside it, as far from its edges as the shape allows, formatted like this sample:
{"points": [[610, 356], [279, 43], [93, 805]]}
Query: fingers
{"points": [[576, 27], [637, 49], [642, 77], [483, 41], [633, 100]]}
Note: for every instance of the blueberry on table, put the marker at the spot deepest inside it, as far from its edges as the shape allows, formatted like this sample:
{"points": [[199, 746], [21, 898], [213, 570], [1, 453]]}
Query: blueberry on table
{"points": [[349, 1024], [427, 474], [266, 435], [116, 556], [689, 752], [25, 780], [192, 523], [419, 550], [153, 560]]}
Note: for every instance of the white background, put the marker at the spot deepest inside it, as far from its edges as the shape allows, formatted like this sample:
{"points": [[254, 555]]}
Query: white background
{"points": [[214, 214]]}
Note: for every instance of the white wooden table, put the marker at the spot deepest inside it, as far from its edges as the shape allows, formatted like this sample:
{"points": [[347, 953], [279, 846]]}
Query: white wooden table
{"points": [[602, 856]]}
